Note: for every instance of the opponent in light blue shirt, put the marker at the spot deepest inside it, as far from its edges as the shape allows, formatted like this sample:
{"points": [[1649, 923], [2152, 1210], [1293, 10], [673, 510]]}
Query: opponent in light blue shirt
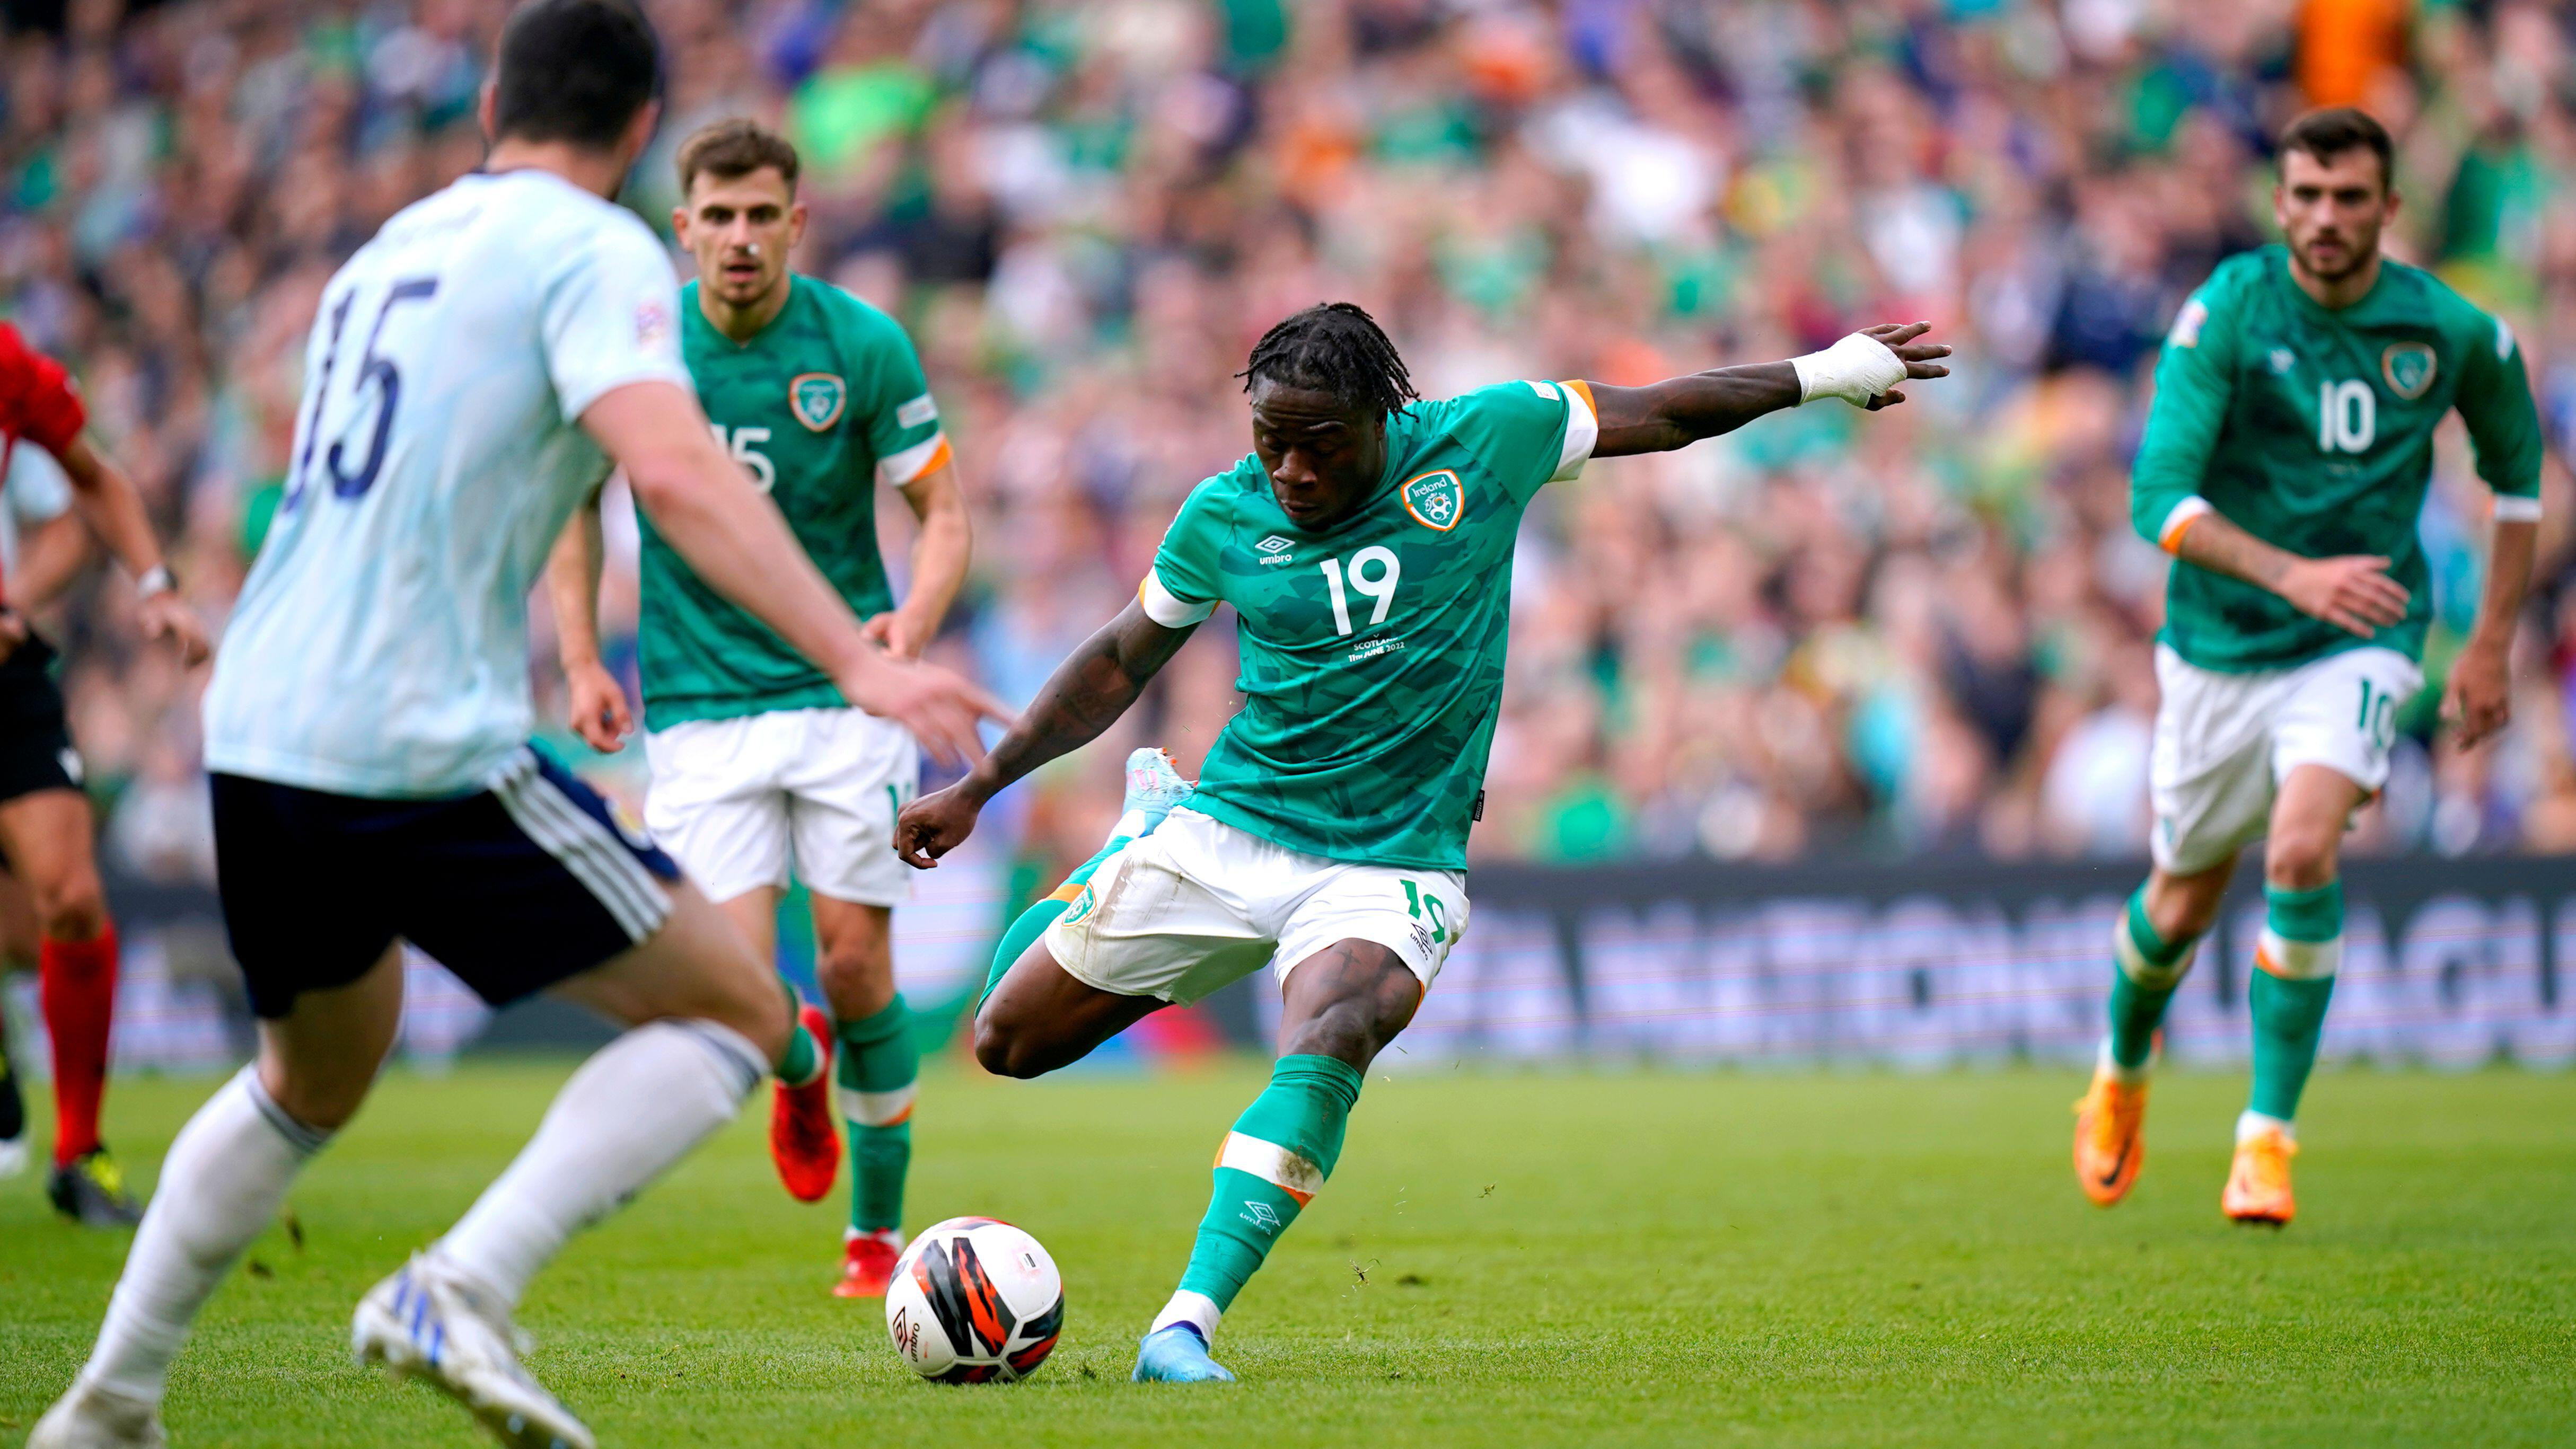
{"points": [[380, 646]]}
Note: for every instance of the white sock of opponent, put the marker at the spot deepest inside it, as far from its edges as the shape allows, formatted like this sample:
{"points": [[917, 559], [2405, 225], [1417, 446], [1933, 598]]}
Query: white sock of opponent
{"points": [[635, 1108], [220, 1185]]}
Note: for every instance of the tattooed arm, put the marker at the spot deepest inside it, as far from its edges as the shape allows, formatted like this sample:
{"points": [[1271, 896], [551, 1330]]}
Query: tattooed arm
{"points": [[1086, 694]]}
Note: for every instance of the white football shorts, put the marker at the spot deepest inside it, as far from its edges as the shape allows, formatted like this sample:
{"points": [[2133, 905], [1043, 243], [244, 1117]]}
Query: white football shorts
{"points": [[2225, 742], [1198, 904], [737, 801]]}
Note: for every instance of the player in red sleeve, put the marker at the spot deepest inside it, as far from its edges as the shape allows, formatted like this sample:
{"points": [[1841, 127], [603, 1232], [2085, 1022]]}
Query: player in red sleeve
{"points": [[46, 829]]}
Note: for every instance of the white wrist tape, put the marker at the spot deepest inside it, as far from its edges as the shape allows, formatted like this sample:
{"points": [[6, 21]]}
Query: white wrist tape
{"points": [[1856, 369]]}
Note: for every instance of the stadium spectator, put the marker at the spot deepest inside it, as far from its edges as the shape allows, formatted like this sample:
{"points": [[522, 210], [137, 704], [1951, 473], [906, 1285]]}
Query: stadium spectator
{"points": [[1925, 635]]}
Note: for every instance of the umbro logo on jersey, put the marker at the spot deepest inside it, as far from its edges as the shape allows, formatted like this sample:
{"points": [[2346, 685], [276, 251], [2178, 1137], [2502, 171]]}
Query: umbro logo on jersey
{"points": [[1436, 499], [2282, 360], [1274, 550], [816, 398]]}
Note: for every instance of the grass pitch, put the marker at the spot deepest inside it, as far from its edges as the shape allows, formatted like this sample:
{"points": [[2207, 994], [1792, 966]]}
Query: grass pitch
{"points": [[1623, 1259]]}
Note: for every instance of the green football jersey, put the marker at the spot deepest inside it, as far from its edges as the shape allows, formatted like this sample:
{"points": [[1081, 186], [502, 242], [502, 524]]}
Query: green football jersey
{"points": [[1372, 650], [2312, 429], [818, 407]]}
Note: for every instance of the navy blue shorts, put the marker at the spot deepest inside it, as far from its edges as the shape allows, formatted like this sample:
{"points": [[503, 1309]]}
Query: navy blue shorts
{"points": [[513, 888]]}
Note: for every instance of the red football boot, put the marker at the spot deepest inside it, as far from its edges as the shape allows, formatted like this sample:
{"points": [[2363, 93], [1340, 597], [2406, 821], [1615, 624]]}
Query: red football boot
{"points": [[802, 1139], [867, 1264]]}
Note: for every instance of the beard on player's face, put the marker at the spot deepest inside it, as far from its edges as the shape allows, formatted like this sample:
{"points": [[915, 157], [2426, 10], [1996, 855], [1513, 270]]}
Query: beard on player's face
{"points": [[740, 274], [2332, 210], [1323, 455], [2334, 250]]}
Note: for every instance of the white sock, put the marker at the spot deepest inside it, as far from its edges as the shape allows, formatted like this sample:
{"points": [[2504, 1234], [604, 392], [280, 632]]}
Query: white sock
{"points": [[635, 1108], [1129, 826], [220, 1185], [2125, 1076], [1195, 1309], [2251, 1124]]}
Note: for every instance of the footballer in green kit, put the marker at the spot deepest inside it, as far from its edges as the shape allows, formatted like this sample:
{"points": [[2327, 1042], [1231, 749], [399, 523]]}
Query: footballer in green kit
{"points": [[2285, 461], [758, 766], [1366, 547]]}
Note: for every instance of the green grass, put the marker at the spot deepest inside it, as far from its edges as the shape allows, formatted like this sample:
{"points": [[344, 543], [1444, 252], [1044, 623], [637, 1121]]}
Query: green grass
{"points": [[1551, 1259]]}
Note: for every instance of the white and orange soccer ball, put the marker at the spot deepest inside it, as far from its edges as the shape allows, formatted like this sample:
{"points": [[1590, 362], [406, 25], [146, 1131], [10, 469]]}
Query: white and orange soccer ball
{"points": [[973, 1300]]}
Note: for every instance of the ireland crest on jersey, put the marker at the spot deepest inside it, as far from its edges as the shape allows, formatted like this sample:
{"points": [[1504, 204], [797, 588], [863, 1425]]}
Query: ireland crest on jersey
{"points": [[1436, 499], [2408, 366], [816, 398]]}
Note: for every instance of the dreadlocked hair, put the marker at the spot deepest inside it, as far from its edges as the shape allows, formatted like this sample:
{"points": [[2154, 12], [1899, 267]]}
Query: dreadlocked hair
{"points": [[1335, 348]]}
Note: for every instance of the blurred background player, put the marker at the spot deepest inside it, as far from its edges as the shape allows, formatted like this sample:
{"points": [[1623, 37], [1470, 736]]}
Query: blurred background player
{"points": [[756, 759], [46, 827], [41, 547], [1366, 546], [2284, 466], [476, 369]]}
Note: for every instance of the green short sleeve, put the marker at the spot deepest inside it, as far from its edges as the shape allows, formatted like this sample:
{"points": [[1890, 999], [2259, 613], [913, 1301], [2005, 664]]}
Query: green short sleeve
{"points": [[1184, 587], [890, 403], [2504, 425], [2195, 378], [1527, 433]]}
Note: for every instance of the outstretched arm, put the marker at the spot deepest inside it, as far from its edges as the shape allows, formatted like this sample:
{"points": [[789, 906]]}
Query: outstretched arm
{"points": [[1086, 694], [1863, 369]]}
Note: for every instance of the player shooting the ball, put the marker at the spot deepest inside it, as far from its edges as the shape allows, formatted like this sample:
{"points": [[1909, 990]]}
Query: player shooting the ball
{"points": [[1366, 546]]}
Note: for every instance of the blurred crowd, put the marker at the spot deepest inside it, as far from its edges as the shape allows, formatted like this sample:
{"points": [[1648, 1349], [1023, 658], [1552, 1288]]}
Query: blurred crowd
{"points": [[1925, 630]]}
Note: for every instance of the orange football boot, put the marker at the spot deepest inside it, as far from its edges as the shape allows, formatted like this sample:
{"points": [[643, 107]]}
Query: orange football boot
{"points": [[2258, 1185], [802, 1140], [867, 1264], [2110, 1137]]}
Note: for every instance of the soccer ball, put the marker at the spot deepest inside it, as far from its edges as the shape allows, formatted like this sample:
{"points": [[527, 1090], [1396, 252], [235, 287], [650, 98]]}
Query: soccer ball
{"points": [[974, 1299]]}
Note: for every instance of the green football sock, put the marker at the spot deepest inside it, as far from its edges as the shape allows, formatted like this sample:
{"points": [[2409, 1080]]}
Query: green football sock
{"points": [[1276, 1158], [804, 1059], [874, 1083], [2301, 948], [2148, 971], [1033, 922]]}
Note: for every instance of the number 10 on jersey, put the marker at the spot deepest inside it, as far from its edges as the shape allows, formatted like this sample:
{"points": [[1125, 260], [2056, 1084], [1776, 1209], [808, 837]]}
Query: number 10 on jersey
{"points": [[2347, 417]]}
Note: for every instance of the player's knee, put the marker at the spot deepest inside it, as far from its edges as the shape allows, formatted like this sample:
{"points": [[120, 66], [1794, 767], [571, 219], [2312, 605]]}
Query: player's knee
{"points": [[322, 1101], [1006, 1052], [2184, 907], [2301, 857], [762, 1013], [1348, 1002], [71, 906], [751, 1002], [857, 979]]}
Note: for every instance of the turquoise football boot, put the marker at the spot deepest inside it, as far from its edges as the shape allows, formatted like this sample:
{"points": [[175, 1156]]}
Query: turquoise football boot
{"points": [[1177, 1355], [1153, 788]]}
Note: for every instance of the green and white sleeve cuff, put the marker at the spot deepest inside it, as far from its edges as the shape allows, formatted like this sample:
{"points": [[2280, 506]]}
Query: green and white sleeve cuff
{"points": [[2178, 521], [1165, 609]]}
